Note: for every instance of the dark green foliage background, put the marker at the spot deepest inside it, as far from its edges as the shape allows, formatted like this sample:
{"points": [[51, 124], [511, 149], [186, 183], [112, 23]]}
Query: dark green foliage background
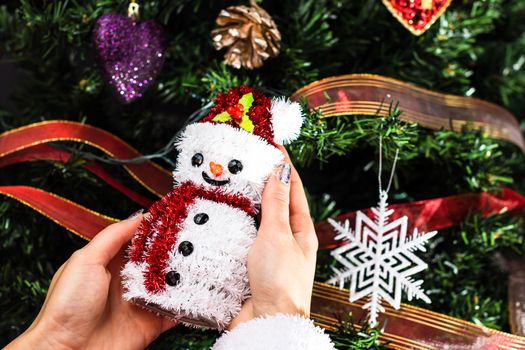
{"points": [[477, 48]]}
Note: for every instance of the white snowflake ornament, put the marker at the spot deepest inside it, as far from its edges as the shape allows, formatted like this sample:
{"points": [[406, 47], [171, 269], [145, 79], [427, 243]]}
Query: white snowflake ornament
{"points": [[379, 259]]}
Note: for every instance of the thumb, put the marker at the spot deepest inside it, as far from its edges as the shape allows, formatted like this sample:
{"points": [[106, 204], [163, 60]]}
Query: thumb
{"points": [[108, 242], [276, 199]]}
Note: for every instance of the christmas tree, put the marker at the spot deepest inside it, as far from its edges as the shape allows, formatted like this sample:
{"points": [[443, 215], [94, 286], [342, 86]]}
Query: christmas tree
{"points": [[51, 69]]}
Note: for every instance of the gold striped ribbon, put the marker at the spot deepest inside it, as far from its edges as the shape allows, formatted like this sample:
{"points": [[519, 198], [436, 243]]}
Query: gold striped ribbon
{"points": [[410, 327], [367, 94]]}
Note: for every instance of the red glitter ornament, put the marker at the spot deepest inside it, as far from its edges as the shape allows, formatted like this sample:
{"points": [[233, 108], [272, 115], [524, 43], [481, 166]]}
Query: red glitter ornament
{"points": [[417, 15]]}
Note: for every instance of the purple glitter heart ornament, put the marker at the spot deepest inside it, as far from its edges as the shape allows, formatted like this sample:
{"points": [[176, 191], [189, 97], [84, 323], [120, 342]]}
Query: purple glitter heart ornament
{"points": [[131, 53]]}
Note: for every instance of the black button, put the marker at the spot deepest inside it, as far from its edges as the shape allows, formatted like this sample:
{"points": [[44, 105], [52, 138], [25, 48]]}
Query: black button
{"points": [[186, 248], [172, 278], [197, 159], [201, 218], [235, 166]]}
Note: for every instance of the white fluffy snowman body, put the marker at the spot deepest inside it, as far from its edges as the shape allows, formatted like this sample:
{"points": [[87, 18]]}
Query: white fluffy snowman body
{"points": [[209, 261], [188, 259]]}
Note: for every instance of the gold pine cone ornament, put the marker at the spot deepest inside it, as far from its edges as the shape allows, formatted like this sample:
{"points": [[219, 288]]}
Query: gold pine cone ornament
{"points": [[248, 33]]}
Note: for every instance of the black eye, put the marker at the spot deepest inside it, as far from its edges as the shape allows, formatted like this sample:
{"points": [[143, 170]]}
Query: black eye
{"points": [[172, 278], [197, 159], [201, 218], [234, 166], [186, 248]]}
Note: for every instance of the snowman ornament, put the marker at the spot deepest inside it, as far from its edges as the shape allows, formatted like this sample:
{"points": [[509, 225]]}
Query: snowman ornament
{"points": [[188, 258]]}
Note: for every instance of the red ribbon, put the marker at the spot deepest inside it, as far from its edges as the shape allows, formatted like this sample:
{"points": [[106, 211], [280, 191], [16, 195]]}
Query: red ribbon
{"points": [[434, 214], [153, 177], [78, 219], [46, 152]]}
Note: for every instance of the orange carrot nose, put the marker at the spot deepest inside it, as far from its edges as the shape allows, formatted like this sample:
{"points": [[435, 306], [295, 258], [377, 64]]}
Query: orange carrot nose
{"points": [[216, 169]]}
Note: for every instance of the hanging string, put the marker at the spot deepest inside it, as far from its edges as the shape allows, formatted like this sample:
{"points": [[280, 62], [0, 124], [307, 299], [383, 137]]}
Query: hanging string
{"points": [[390, 180], [165, 151], [133, 11], [160, 154]]}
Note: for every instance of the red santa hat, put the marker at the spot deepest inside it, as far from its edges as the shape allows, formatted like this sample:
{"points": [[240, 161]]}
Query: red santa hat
{"points": [[278, 120]]}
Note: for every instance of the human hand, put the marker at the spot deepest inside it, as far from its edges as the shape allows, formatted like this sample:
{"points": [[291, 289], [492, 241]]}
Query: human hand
{"points": [[84, 306], [281, 261]]}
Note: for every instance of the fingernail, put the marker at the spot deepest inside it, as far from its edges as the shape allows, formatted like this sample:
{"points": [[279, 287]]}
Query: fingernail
{"points": [[135, 214], [284, 172]]}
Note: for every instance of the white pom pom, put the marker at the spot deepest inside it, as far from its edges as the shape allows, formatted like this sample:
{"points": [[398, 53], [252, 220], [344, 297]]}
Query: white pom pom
{"points": [[287, 118]]}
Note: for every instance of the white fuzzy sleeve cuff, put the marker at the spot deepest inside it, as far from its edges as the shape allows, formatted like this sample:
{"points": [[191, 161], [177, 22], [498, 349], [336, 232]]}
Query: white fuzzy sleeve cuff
{"points": [[275, 332]]}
